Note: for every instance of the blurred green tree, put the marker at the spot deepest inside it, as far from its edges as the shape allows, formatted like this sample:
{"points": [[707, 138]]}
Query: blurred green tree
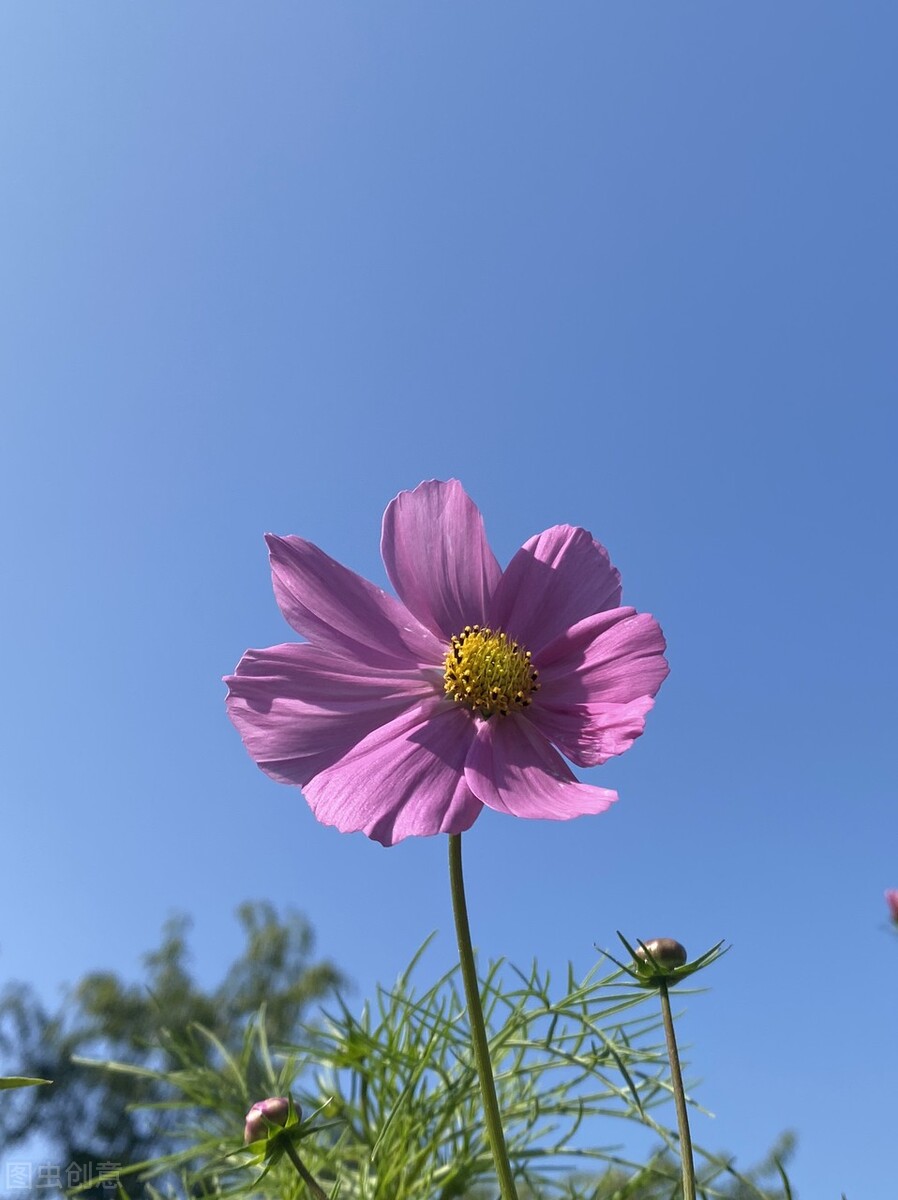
{"points": [[85, 1118]]}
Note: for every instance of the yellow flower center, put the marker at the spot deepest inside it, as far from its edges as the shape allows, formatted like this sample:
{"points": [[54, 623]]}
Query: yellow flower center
{"points": [[489, 672]]}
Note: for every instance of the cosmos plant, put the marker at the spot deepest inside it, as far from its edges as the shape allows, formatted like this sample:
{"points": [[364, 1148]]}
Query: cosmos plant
{"points": [[476, 687]]}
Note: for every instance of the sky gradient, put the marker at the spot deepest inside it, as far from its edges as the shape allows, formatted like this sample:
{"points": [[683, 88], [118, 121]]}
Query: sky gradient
{"points": [[624, 266]]}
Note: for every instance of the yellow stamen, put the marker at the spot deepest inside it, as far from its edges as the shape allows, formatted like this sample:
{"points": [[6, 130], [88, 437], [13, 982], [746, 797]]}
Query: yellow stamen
{"points": [[489, 672]]}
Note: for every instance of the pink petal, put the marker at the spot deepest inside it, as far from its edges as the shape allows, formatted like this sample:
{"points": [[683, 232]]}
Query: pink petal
{"points": [[405, 779], [437, 557], [512, 768], [590, 734], [335, 608], [299, 708], [612, 657], [555, 580]]}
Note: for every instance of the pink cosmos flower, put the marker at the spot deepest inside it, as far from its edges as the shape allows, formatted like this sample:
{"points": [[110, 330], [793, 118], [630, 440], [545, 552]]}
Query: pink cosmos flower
{"points": [[892, 902], [405, 717]]}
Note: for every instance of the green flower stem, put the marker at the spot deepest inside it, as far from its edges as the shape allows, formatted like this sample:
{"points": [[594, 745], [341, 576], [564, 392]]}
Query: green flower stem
{"points": [[676, 1077], [475, 1017], [301, 1170]]}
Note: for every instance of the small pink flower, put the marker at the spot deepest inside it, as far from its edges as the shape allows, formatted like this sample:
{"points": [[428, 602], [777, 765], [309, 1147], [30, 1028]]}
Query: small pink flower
{"points": [[892, 902], [405, 717], [264, 1114]]}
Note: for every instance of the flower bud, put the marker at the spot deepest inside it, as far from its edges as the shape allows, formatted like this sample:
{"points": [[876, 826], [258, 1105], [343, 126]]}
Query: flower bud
{"points": [[264, 1114], [662, 961], [667, 953], [892, 902]]}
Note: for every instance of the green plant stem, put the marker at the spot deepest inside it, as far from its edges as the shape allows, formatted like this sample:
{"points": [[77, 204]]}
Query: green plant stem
{"points": [[478, 1029], [676, 1077], [301, 1170]]}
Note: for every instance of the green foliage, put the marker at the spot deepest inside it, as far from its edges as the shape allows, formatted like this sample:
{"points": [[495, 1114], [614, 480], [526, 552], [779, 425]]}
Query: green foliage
{"points": [[392, 1107], [388, 1100], [89, 1116]]}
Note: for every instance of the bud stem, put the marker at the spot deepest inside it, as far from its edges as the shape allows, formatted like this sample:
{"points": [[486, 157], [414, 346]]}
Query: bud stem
{"points": [[676, 1078], [304, 1174], [478, 1028]]}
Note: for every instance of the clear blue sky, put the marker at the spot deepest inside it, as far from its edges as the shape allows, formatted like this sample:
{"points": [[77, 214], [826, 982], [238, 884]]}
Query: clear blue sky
{"points": [[628, 266]]}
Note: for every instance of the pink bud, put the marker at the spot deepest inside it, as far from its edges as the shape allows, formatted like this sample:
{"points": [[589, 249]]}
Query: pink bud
{"points": [[892, 902], [276, 1109]]}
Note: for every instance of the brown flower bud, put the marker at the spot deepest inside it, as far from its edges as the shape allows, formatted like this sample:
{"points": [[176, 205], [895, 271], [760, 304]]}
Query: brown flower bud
{"points": [[666, 952]]}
